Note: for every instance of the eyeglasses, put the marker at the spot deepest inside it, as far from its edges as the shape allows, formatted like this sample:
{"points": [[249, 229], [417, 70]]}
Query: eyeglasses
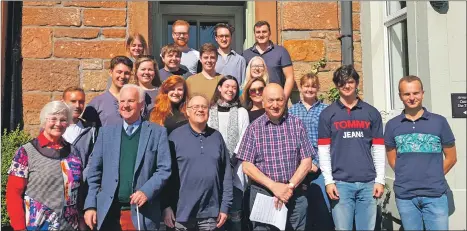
{"points": [[257, 66], [223, 36], [197, 107], [177, 34], [54, 120], [256, 91]]}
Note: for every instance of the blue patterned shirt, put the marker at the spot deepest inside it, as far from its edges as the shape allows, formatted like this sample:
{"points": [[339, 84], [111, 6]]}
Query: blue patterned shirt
{"points": [[310, 118], [419, 147]]}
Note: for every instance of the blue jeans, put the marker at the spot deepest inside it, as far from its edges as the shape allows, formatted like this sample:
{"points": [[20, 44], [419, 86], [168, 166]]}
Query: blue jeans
{"points": [[355, 201], [319, 208], [431, 211], [297, 209]]}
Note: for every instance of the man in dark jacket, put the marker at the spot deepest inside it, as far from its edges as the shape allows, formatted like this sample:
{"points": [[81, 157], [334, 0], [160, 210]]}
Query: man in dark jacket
{"points": [[79, 133]]}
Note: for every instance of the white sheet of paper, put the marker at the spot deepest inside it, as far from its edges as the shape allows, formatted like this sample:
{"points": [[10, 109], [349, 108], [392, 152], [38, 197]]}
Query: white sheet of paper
{"points": [[264, 211]]}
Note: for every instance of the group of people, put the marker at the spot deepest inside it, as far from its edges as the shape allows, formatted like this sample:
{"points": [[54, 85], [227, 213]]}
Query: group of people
{"points": [[192, 148]]}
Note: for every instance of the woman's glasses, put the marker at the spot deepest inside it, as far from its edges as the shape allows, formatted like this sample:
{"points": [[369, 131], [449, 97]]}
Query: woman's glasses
{"points": [[256, 91]]}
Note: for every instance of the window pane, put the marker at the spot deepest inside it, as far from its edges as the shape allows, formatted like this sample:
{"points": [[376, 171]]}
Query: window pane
{"points": [[398, 59], [191, 41], [393, 6], [206, 32]]}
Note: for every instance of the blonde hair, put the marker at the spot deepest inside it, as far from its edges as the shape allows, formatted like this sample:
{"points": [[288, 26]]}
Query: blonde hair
{"points": [[56, 107], [248, 72]]}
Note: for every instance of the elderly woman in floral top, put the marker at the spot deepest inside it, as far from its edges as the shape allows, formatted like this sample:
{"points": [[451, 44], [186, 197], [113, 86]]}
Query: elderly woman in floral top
{"points": [[45, 177]]}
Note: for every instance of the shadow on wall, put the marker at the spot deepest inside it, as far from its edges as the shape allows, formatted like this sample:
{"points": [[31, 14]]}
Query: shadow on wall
{"points": [[451, 205]]}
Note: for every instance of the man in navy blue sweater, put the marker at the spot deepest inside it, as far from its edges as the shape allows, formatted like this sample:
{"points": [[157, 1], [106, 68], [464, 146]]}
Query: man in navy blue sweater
{"points": [[201, 191]]}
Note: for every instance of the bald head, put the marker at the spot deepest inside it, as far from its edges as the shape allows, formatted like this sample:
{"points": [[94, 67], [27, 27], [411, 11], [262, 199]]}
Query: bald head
{"points": [[274, 101], [273, 88]]}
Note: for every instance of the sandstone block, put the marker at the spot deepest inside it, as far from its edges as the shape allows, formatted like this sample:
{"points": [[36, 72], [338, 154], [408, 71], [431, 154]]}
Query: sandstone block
{"points": [[88, 49], [32, 106], [318, 34], [305, 50], [114, 33], [98, 4], [36, 42], [86, 33], [40, 3], [98, 17], [355, 21], [51, 16], [310, 15], [95, 80], [33, 130], [333, 51], [91, 64], [301, 68], [49, 75], [91, 95], [357, 52], [355, 6]]}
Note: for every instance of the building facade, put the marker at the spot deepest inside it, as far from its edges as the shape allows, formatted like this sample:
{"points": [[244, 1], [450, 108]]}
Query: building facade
{"points": [[426, 39], [68, 43]]}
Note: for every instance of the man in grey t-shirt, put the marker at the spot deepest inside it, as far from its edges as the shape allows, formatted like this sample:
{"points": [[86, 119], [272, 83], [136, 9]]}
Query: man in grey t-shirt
{"points": [[181, 36]]}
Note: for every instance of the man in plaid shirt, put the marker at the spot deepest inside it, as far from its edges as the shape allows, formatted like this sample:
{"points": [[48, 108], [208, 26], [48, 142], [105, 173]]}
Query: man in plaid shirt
{"points": [[277, 156]]}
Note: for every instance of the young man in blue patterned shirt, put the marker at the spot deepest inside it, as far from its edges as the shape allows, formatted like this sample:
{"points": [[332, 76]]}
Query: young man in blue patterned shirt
{"points": [[308, 110], [417, 139]]}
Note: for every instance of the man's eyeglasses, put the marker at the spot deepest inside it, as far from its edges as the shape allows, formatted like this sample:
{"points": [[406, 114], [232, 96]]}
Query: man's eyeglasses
{"points": [[178, 34], [256, 91], [223, 36], [197, 107]]}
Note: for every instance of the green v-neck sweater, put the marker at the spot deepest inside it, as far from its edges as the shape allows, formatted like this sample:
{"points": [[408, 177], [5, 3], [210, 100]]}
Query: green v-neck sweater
{"points": [[128, 152]]}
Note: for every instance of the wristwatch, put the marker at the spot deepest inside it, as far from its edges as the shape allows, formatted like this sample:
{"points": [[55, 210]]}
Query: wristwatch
{"points": [[292, 185]]}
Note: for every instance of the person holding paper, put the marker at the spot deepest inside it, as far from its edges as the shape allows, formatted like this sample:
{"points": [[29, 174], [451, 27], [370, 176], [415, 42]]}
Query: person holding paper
{"points": [[277, 164]]}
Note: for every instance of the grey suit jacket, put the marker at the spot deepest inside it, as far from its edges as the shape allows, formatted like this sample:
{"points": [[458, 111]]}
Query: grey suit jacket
{"points": [[152, 169]]}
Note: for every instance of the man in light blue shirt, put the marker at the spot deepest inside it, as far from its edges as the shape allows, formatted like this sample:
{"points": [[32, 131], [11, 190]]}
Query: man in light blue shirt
{"points": [[228, 61]]}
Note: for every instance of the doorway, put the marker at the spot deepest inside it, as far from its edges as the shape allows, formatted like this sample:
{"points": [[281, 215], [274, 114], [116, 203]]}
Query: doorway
{"points": [[202, 17]]}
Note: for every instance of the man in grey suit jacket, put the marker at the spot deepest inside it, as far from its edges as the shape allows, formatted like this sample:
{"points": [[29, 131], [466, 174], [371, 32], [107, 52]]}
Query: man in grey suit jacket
{"points": [[130, 165]]}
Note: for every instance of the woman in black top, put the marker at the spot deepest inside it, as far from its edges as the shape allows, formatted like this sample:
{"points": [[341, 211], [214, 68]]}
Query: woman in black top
{"points": [[252, 98], [169, 109]]}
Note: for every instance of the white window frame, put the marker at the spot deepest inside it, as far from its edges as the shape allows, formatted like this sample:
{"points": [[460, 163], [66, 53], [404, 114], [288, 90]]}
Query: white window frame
{"points": [[390, 20]]}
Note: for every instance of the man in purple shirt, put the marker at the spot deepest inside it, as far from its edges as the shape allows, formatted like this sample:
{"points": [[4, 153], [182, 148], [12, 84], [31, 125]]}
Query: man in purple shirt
{"points": [[277, 163], [103, 109]]}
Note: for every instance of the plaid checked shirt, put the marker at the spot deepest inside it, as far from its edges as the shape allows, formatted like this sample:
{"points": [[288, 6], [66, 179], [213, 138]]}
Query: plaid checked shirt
{"points": [[310, 118], [276, 149]]}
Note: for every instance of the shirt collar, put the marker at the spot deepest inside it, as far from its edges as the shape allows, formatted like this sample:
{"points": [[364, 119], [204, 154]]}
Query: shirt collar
{"points": [[195, 133], [359, 104], [315, 104], [135, 124], [44, 142], [426, 115], [232, 52], [282, 119], [270, 47]]}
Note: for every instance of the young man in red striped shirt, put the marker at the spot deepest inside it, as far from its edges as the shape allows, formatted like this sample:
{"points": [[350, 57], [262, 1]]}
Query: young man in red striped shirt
{"points": [[352, 154]]}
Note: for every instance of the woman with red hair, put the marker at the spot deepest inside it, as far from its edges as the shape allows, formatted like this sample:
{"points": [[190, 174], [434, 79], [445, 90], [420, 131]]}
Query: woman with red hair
{"points": [[169, 111]]}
